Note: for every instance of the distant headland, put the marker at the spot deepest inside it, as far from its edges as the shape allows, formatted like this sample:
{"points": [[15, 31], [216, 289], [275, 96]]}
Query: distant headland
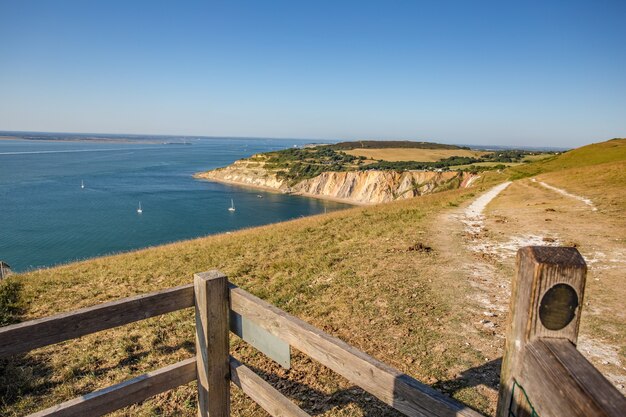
{"points": [[368, 171]]}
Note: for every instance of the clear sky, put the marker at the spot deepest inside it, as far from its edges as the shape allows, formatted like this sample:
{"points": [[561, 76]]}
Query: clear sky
{"points": [[543, 73]]}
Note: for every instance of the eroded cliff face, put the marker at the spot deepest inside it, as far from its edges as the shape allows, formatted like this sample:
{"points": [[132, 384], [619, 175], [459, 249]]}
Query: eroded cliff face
{"points": [[371, 187], [246, 172], [360, 187]]}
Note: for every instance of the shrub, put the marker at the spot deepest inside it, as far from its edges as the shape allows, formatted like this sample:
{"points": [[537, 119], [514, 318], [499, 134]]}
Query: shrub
{"points": [[10, 302]]}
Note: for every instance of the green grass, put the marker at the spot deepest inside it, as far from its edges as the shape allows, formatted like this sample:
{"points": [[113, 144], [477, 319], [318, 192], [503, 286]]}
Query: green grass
{"points": [[538, 157]]}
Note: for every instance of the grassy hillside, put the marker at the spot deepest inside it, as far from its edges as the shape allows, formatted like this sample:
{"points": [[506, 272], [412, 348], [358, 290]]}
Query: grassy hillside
{"points": [[377, 277], [352, 273], [598, 153]]}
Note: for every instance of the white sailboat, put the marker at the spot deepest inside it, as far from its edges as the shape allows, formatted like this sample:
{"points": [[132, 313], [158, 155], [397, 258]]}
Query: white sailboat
{"points": [[139, 210], [82, 184], [232, 205]]}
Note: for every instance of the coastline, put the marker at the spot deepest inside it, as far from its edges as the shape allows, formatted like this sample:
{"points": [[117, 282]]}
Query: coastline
{"points": [[87, 140], [198, 176]]}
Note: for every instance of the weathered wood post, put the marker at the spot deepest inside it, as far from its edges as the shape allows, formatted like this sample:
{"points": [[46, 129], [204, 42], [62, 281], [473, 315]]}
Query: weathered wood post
{"points": [[212, 356], [5, 270], [542, 372], [556, 275]]}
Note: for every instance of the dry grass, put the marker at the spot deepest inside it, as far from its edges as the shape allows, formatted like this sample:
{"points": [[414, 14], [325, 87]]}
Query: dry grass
{"points": [[409, 154], [350, 273], [613, 150]]}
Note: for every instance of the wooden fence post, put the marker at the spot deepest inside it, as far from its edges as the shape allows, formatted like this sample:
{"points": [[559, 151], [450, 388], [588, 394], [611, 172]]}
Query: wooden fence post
{"points": [[546, 298], [212, 356]]}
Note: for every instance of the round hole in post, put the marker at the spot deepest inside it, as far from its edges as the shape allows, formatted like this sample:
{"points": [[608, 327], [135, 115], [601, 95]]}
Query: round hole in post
{"points": [[558, 307]]}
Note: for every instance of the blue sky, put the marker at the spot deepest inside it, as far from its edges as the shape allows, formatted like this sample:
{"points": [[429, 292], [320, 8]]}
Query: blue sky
{"points": [[545, 73]]}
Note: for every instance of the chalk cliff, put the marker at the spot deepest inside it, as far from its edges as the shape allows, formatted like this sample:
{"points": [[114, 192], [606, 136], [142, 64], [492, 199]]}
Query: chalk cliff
{"points": [[246, 172], [359, 187]]}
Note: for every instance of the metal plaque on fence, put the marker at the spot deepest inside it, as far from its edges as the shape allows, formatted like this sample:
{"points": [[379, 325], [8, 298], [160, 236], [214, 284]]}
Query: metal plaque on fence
{"points": [[261, 339]]}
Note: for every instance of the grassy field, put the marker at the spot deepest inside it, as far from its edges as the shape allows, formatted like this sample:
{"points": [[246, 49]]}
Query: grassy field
{"points": [[408, 154], [355, 274]]}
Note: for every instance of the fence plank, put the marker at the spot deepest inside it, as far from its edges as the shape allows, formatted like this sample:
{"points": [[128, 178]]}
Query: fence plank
{"points": [[272, 401], [562, 382], [22, 337], [546, 296], [388, 384], [126, 393], [212, 332]]}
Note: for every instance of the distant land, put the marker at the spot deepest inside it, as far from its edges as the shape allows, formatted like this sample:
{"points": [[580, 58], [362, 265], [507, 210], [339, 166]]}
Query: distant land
{"points": [[91, 137], [369, 172], [159, 139]]}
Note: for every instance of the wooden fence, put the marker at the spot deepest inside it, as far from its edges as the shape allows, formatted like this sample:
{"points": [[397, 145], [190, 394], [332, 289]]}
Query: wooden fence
{"points": [[540, 358], [542, 372]]}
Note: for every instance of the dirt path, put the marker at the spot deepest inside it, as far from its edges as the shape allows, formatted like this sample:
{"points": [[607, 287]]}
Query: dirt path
{"points": [[484, 306], [567, 194], [478, 243]]}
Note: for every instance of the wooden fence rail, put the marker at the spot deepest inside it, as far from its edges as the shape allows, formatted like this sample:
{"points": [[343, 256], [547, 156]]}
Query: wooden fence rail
{"points": [[29, 335], [552, 377], [394, 388], [126, 393], [212, 295]]}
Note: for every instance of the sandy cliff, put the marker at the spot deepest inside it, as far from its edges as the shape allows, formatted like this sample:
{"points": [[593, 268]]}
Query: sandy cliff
{"points": [[357, 187], [245, 172]]}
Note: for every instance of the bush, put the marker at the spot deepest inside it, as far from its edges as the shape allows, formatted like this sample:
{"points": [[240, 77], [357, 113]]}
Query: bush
{"points": [[10, 302]]}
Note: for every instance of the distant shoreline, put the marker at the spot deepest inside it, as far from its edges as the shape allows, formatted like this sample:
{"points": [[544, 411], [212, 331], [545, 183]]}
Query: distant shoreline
{"points": [[86, 140]]}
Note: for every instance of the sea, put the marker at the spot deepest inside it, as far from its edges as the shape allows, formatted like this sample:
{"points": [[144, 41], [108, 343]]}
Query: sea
{"points": [[47, 218]]}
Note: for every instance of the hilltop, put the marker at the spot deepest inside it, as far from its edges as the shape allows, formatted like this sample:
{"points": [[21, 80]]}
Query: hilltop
{"points": [[384, 144], [415, 283], [613, 150], [365, 172]]}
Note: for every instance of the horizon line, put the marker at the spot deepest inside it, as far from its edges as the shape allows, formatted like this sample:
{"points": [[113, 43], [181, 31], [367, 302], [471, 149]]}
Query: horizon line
{"points": [[288, 138]]}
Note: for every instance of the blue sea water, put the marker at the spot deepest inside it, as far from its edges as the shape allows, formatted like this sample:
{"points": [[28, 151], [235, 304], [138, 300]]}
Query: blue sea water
{"points": [[46, 218]]}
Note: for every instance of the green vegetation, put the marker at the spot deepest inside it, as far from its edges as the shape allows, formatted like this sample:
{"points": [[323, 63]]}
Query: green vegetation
{"points": [[415, 165], [295, 164], [10, 302], [298, 164], [491, 161]]}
